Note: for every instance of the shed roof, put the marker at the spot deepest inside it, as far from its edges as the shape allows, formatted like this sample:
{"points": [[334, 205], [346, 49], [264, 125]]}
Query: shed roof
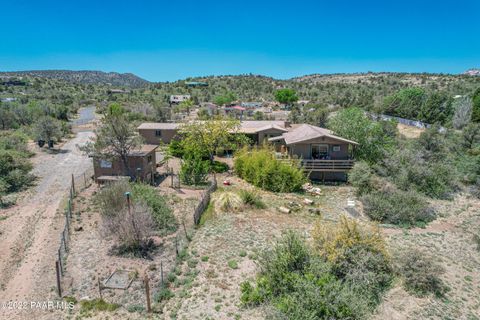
{"points": [[158, 126]]}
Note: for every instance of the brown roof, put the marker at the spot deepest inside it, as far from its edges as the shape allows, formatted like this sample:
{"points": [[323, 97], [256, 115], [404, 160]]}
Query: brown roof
{"points": [[158, 126], [143, 150], [307, 132], [258, 126]]}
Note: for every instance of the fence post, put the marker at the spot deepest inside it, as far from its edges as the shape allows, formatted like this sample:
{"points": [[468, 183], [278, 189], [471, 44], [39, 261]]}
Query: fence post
{"points": [[147, 292], [73, 184], [64, 242], [85, 179], [99, 287], [176, 245], [161, 272], [59, 288], [60, 261]]}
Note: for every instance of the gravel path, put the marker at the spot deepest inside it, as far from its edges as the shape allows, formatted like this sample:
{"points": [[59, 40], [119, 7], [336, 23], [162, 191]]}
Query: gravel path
{"points": [[29, 236]]}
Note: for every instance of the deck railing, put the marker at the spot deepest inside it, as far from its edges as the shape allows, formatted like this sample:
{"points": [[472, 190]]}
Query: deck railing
{"points": [[326, 165]]}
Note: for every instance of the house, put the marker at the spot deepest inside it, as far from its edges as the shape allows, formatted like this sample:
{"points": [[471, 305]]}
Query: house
{"points": [[176, 99], [142, 166], [257, 131], [322, 154], [158, 132]]}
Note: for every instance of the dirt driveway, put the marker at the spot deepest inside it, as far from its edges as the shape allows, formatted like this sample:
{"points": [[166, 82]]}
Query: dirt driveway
{"points": [[30, 230]]}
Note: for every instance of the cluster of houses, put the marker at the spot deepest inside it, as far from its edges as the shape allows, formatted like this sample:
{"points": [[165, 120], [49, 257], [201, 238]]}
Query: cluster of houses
{"points": [[322, 154]]}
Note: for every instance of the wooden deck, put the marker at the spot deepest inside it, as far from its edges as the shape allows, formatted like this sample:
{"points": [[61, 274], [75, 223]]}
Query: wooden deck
{"points": [[327, 165]]}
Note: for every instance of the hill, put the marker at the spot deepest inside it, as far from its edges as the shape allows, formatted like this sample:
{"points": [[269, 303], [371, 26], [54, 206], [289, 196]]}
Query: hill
{"points": [[85, 77]]}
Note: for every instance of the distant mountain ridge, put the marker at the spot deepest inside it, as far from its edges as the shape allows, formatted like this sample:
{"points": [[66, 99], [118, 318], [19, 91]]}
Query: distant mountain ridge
{"points": [[85, 76]]}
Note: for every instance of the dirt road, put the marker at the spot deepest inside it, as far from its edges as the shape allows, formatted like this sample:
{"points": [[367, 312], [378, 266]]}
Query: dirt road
{"points": [[29, 236]]}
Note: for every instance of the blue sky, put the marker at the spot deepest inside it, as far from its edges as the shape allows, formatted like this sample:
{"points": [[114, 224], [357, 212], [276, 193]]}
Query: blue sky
{"points": [[169, 40]]}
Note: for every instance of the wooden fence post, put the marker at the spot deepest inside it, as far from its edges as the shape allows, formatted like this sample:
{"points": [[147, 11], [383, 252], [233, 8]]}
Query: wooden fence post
{"points": [[59, 288], [161, 272], [73, 184], [147, 292], [60, 261], [99, 287], [176, 245]]}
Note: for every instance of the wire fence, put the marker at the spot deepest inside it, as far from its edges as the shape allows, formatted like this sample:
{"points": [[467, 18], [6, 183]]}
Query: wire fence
{"points": [[203, 204], [77, 184]]}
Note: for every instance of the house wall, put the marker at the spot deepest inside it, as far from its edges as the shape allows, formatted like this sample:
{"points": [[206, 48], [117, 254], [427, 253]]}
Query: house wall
{"points": [[303, 150], [262, 135], [147, 167], [151, 138]]}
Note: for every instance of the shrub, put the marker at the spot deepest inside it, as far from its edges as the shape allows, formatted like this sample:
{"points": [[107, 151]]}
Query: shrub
{"points": [[362, 177], [250, 198], [421, 274], [228, 201], [194, 170], [132, 229], [111, 199], [233, 264], [219, 167], [161, 212], [262, 169], [357, 253], [301, 284], [397, 207], [14, 169], [97, 305], [163, 294], [175, 148]]}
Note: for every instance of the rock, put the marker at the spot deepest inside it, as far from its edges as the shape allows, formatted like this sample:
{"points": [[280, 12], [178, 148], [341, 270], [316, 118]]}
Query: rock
{"points": [[307, 201], [283, 210], [314, 211], [78, 228]]}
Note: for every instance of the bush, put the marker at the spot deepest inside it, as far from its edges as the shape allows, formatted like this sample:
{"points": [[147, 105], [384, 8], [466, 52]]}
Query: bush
{"points": [[161, 212], [175, 148], [302, 284], [357, 253], [250, 198], [362, 177], [219, 167], [163, 294], [262, 169], [228, 201], [421, 274], [194, 170], [14, 169], [397, 207]]}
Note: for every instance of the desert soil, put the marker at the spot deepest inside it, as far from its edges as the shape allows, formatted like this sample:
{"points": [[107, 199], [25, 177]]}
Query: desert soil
{"points": [[30, 230]]}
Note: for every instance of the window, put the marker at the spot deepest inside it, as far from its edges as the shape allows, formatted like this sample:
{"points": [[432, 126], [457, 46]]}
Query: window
{"points": [[336, 148], [149, 159], [319, 151], [105, 164], [158, 133]]}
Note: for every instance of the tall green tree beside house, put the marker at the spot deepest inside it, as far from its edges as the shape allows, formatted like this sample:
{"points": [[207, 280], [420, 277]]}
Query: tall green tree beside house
{"points": [[115, 138], [375, 138]]}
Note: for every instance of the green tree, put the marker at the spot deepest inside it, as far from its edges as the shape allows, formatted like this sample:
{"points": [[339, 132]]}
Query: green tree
{"points": [[224, 99], [115, 138], [47, 128], [437, 108], [211, 135], [375, 138], [406, 103], [476, 106], [286, 96]]}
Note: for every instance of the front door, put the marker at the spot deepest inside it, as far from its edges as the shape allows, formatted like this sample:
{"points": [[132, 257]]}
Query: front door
{"points": [[319, 151]]}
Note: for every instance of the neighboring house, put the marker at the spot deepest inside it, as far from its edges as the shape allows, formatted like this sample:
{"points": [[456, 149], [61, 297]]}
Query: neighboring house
{"points": [[257, 131], [142, 164], [176, 99], [322, 154], [157, 132], [251, 105]]}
